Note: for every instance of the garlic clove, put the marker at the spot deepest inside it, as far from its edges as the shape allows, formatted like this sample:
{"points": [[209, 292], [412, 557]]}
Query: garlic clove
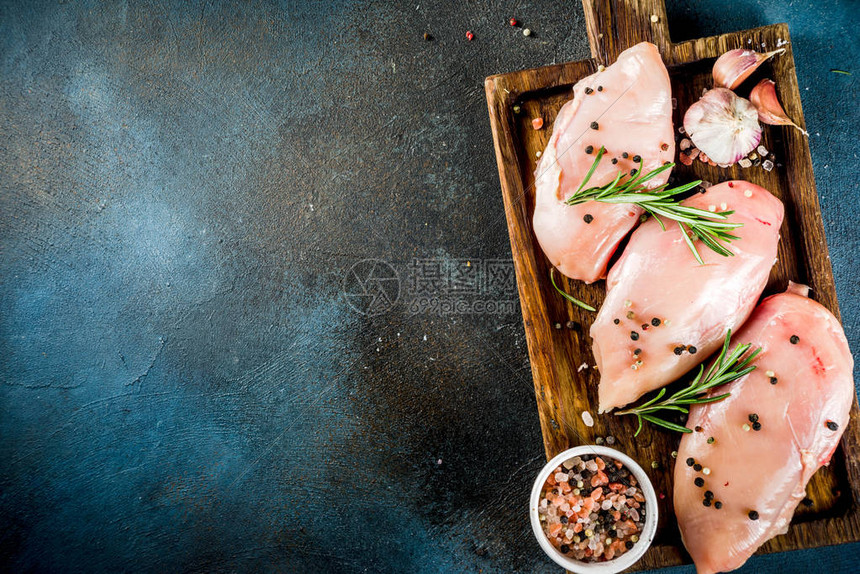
{"points": [[763, 97], [723, 126], [735, 66]]}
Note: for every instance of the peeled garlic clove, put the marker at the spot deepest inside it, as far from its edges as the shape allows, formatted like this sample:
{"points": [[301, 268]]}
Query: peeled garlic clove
{"points": [[763, 97], [723, 126], [735, 66]]}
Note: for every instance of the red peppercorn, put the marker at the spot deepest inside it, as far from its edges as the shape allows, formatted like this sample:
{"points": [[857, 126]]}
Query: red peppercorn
{"points": [[469, 35], [514, 22]]}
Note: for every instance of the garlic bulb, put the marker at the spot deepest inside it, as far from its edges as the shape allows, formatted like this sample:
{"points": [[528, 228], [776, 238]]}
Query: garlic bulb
{"points": [[723, 126], [763, 97], [735, 66]]}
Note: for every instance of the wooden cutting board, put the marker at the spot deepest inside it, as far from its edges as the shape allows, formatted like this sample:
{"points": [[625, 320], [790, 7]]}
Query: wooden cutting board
{"points": [[564, 391]]}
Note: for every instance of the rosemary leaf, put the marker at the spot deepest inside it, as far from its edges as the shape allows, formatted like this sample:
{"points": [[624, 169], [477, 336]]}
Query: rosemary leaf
{"points": [[711, 228], [728, 367], [568, 296], [666, 424]]}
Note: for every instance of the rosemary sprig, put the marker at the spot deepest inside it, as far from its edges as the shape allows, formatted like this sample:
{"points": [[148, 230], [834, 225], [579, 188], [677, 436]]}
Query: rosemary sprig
{"points": [[709, 227], [568, 296], [727, 368]]}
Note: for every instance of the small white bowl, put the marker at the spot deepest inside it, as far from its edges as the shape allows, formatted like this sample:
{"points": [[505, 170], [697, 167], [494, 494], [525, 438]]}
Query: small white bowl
{"points": [[615, 565]]}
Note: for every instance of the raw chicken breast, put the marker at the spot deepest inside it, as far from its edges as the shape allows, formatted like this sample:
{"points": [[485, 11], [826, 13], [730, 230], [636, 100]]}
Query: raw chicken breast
{"points": [[631, 101], [801, 393], [674, 311]]}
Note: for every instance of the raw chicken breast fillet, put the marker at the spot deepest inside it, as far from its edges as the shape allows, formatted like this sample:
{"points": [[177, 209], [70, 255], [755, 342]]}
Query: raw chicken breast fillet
{"points": [[674, 311], [801, 392], [631, 101]]}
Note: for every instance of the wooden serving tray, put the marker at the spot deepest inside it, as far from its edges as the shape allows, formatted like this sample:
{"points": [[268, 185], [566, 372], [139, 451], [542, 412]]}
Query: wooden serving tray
{"points": [[563, 391]]}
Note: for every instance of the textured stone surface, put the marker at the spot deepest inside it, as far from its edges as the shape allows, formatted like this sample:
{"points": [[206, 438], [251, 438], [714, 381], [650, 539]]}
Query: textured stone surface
{"points": [[184, 384]]}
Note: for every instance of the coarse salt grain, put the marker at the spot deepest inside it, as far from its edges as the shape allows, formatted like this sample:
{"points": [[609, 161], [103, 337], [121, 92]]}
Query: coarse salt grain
{"points": [[762, 151], [538, 153], [706, 471], [587, 419], [582, 367], [601, 67], [769, 373], [748, 193], [712, 208], [745, 163], [767, 165], [723, 206]]}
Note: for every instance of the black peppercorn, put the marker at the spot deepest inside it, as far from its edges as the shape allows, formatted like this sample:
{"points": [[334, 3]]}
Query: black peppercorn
{"points": [[563, 519], [594, 125], [773, 380], [753, 417], [616, 321], [632, 172], [756, 426], [614, 160], [794, 339], [564, 548], [679, 350], [599, 88], [625, 155], [637, 158], [710, 440], [807, 502], [699, 481], [655, 321], [690, 461], [718, 505], [692, 349], [634, 335], [637, 351], [707, 502], [589, 91], [589, 149], [709, 494], [832, 425], [628, 544], [588, 218], [697, 467], [753, 515]]}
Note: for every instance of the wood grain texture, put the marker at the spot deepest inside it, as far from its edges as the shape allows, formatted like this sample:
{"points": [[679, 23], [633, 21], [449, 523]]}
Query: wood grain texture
{"points": [[559, 347]]}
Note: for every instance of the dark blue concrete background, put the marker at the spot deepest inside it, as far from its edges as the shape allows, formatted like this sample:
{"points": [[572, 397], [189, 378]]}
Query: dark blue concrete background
{"points": [[184, 386]]}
